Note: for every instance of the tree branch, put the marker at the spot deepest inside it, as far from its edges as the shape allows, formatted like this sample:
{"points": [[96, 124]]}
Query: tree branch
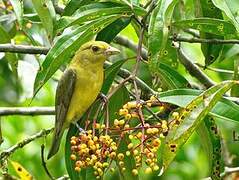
{"points": [[23, 49], [6, 153], [194, 70], [32, 111], [199, 40]]}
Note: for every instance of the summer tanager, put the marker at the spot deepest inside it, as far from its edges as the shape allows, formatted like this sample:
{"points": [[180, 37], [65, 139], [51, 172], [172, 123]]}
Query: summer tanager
{"points": [[79, 87]]}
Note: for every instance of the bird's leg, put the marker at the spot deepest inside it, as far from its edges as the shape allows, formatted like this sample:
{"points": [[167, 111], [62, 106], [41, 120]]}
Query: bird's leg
{"points": [[103, 97], [79, 128]]}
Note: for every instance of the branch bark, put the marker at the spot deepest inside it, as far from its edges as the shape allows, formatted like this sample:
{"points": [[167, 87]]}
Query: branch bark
{"points": [[32, 111], [25, 49], [6, 153]]}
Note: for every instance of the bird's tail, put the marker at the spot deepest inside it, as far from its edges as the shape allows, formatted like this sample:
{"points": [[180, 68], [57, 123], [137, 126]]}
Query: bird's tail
{"points": [[55, 143]]}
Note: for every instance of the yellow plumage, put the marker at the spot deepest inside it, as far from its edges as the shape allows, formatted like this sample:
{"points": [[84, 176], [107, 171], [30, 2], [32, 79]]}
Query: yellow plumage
{"points": [[79, 86]]}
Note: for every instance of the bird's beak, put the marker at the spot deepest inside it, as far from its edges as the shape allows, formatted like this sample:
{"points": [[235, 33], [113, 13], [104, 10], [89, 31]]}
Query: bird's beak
{"points": [[111, 51]]}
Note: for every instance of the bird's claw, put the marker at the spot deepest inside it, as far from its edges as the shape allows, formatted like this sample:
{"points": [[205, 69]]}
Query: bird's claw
{"points": [[103, 97]]}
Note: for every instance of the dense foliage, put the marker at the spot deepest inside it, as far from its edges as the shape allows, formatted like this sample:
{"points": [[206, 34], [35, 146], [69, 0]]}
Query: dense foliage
{"points": [[172, 94]]}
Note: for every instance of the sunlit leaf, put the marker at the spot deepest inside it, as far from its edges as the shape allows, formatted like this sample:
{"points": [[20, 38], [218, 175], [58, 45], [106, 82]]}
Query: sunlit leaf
{"points": [[210, 139], [189, 119], [21, 171], [211, 51], [18, 9], [73, 5], [159, 31], [46, 13], [208, 25], [224, 109], [226, 7]]}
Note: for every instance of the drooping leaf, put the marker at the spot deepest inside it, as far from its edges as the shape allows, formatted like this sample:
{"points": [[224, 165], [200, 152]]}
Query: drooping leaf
{"points": [[211, 51], [189, 119], [224, 109], [73, 5], [108, 33], [160, 22], [110, 74], [18, 9], [228, 8], [210, 139], [65, 46], [170, 79], [46, 13], [21, 171], [95, 11], [208, 25]]}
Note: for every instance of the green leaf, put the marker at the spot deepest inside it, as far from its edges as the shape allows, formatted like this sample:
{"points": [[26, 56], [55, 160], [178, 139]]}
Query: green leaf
{"points": [[92, 12], [210, 139], [235, 88], [208, 25], [65, 46], [170, 79], [18, 9], [211, 51], [158, 31], [224, 109], [110, 74], [11, 57], [227, 8], [69, 163], [46, 13], [190, 117], [73, 5], [108, 33]]}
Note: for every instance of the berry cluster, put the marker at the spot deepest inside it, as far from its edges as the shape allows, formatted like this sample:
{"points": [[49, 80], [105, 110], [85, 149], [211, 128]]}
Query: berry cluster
{"points": [[143, 139], [92, 151]]}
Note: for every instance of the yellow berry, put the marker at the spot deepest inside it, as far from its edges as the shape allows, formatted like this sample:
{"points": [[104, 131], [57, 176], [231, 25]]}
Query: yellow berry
{"points": [[127, 153], [121, 122], [153, 98], [156, 168], [120, 156], [149, 104], [135, 172], [112, 169], [128, 116], [148, 170], [121, 163], [123, 112], [116, 122], [131, 137], [156, 142], [105, 164], [95, 138], [28, 25], [103, 126], [112, 155], [175, 115], [130, 145], [97, 126], [123, 169], [78, 169], [135, 152], [73, 157], [126, 126]]}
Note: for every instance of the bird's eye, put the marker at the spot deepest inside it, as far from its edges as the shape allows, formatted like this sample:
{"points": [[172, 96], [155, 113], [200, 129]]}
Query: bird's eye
{"points": [[95, 48]]}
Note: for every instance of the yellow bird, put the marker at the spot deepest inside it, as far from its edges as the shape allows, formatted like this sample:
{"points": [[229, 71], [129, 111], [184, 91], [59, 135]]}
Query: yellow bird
{"points": [[79, 86]]}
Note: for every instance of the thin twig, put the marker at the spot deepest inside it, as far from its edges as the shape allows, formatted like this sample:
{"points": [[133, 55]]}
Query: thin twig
{"points": [[6, 153], [44, 162], [32, 111], [215, 69]]}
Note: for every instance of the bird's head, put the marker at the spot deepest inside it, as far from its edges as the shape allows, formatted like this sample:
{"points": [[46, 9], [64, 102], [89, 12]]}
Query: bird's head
{"points": [[96, 51]]}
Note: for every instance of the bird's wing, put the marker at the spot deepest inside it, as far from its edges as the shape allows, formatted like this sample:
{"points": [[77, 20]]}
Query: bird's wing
{"points": [[64, 93]]}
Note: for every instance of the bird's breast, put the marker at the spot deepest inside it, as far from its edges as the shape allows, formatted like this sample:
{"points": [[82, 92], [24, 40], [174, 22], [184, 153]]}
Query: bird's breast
{"points": [[87, 88]]}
